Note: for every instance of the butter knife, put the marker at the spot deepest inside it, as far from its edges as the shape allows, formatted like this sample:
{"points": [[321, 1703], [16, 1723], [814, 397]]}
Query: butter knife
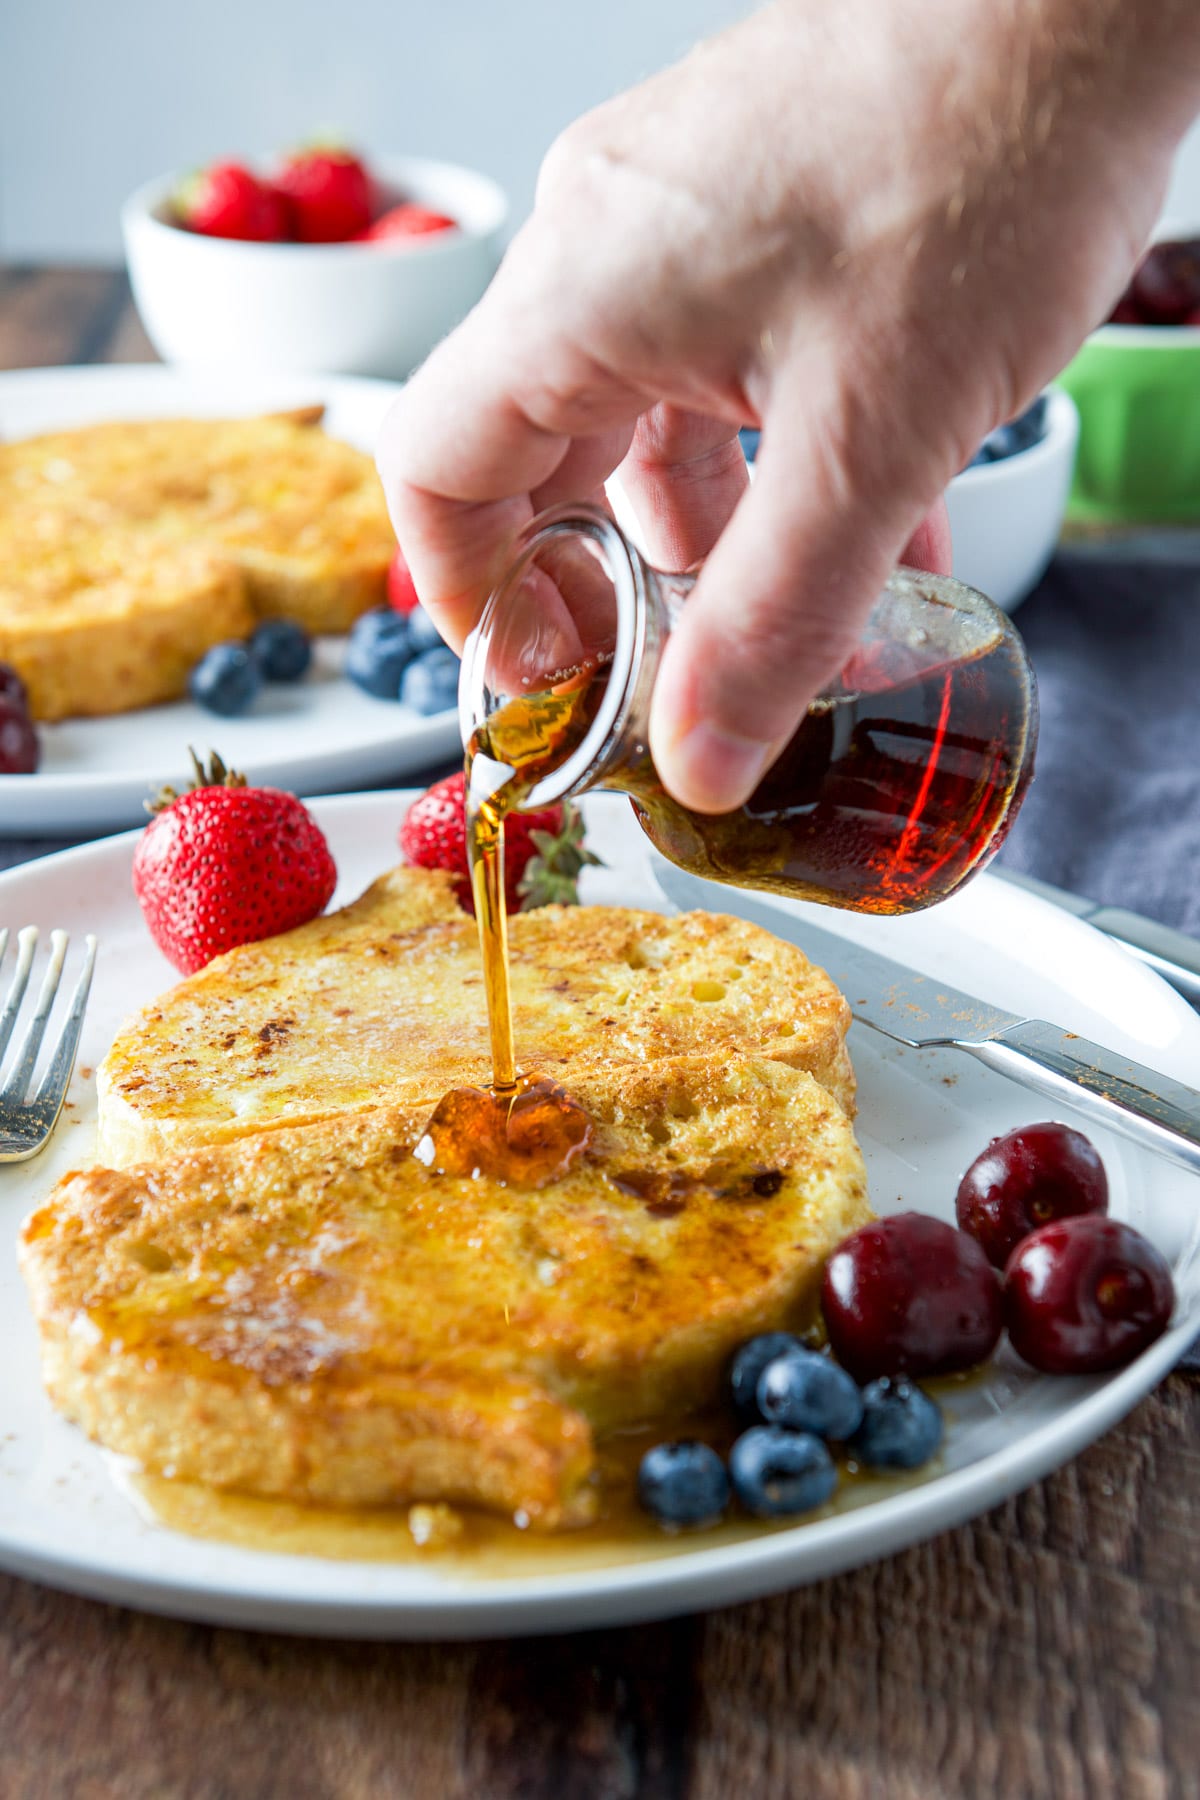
{"points": [[1161, 1114], [1171, 954]]}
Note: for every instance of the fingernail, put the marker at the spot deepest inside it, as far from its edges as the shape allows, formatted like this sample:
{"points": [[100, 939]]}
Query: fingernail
{"points": [[715, 770]]}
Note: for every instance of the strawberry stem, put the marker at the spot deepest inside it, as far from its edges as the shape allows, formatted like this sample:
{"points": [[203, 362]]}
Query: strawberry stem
{"points": [[551, 878], [216, 775]]}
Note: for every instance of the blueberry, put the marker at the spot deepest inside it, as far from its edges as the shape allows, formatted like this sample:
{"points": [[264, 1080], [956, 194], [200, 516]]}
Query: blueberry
{"points": [[747, 1368], [808, 1392], [282, 649], [901, 1426], [1002, 443], [982, 455], [379, 651], [430, 684], [750, 440], [425, 634], [225, 680], [1029, 427], [778, 1473], [1021, 433], [683, 1484]]}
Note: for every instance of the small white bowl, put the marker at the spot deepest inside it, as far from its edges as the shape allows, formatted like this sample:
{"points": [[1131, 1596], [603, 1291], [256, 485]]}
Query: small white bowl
{"points": [[1005, 516], [347, 309]]}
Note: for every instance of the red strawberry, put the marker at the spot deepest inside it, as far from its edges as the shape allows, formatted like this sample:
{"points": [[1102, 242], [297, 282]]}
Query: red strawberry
{"points": [[406, 221], [543, 851], [225, 864], [226, 200], [401, 591], [329, 193]]}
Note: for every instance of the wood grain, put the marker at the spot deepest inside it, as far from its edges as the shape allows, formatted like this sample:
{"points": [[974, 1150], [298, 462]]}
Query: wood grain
{"points": [[1051, 1648], [64, 315]]}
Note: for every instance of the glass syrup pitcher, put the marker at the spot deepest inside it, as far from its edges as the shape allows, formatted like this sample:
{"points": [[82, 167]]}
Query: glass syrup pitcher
{"points": [[900, 782]]}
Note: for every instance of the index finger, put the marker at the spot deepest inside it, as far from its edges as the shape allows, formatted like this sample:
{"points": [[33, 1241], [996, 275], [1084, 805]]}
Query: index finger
{"points": [[477, 435]]}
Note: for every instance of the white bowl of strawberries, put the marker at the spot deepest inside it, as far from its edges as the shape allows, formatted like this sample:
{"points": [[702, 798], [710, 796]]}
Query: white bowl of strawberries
{"points": [[318, 264]]}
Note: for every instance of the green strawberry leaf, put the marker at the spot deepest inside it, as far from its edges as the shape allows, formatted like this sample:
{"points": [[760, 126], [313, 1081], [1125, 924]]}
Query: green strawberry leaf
{"points": [[551, 877]]}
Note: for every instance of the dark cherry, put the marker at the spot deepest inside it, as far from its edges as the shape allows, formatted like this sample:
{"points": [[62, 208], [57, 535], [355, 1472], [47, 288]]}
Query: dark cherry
{"points": [[20, 751], [1167, 285], [1085, 1294], [909, 1295], [12, 687], [1024, 1180]]}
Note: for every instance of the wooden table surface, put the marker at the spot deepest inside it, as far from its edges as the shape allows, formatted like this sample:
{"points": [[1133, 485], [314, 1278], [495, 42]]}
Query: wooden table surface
{"points": [[1052, 1648]]}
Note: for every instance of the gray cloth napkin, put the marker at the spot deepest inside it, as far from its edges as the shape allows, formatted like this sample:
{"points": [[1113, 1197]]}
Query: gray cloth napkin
{"points": [[1114, 810]]}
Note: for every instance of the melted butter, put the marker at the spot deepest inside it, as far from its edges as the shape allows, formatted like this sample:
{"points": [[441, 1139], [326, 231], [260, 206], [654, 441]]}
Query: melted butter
{"points": [[471, 1544]]}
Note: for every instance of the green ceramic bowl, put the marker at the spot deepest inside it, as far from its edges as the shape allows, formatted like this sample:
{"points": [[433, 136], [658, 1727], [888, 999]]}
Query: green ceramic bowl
{"points": [[1137, 388]]}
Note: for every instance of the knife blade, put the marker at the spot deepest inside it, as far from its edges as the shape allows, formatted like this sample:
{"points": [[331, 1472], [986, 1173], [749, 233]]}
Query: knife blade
{"points": [[1154, 1110], [1171, 954]]}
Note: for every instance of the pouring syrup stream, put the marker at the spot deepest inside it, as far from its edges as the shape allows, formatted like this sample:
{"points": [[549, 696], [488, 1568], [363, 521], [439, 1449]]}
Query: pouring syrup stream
{"points": [[524, 1127]]}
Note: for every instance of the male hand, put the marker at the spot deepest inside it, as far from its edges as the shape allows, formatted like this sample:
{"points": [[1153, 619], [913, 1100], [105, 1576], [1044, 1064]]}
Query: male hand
{"points": [[874, 230]]}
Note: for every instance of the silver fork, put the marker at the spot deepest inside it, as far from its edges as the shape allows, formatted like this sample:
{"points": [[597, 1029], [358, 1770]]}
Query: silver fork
{"points": [[27, 1119]]}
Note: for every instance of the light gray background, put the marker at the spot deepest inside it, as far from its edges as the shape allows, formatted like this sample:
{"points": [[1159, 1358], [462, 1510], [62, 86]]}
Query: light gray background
{"points": [[96, 96]]}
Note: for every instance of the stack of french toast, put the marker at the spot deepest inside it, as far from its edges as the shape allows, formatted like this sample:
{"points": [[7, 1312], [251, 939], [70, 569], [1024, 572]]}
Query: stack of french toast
{"points": [[262, 1288]]}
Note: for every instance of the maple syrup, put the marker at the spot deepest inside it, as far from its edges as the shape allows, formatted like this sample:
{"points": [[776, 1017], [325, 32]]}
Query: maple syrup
{"points": [[529, 1132], [883, 803], [474, 1545], [523, 1129]]}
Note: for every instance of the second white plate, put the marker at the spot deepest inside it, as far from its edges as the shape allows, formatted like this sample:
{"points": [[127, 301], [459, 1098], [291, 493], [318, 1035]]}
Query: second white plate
{"points": [[320, 736]]}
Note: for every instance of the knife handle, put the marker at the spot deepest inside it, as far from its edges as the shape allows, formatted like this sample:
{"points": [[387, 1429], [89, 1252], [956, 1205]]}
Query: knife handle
{"points": [[1170, 953], [1127, 1097]]}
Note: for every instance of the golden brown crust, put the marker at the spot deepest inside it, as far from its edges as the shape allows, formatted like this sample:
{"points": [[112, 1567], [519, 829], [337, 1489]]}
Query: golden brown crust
{"points": [[311, 1314], [383, 1002], [108, 640], [127, 549]]}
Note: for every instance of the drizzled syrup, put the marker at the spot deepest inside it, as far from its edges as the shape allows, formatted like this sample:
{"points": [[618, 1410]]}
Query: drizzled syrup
{"points": [[528, 1133], [524, 1128]]}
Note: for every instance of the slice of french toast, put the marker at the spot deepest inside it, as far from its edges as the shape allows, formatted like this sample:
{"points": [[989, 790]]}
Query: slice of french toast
{"points": [[313, 1314], [383, 1003], [128, 549]]}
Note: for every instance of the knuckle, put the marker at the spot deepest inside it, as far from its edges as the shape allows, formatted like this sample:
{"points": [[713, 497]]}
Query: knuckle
{"points": [[565, 165], [672, 437], [765, 664]]}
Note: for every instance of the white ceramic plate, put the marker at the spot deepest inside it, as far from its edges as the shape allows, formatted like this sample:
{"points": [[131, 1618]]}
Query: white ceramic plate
{"points": [[323, 734], [922, 1118]]}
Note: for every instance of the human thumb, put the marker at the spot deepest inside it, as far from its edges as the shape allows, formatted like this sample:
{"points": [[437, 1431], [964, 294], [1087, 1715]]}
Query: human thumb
{"points": [[777, 609]]}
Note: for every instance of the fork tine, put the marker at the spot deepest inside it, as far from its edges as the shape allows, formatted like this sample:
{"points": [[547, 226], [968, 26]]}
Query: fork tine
{"points": [[54, 1082], [19, 1077], [27, 939]]}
